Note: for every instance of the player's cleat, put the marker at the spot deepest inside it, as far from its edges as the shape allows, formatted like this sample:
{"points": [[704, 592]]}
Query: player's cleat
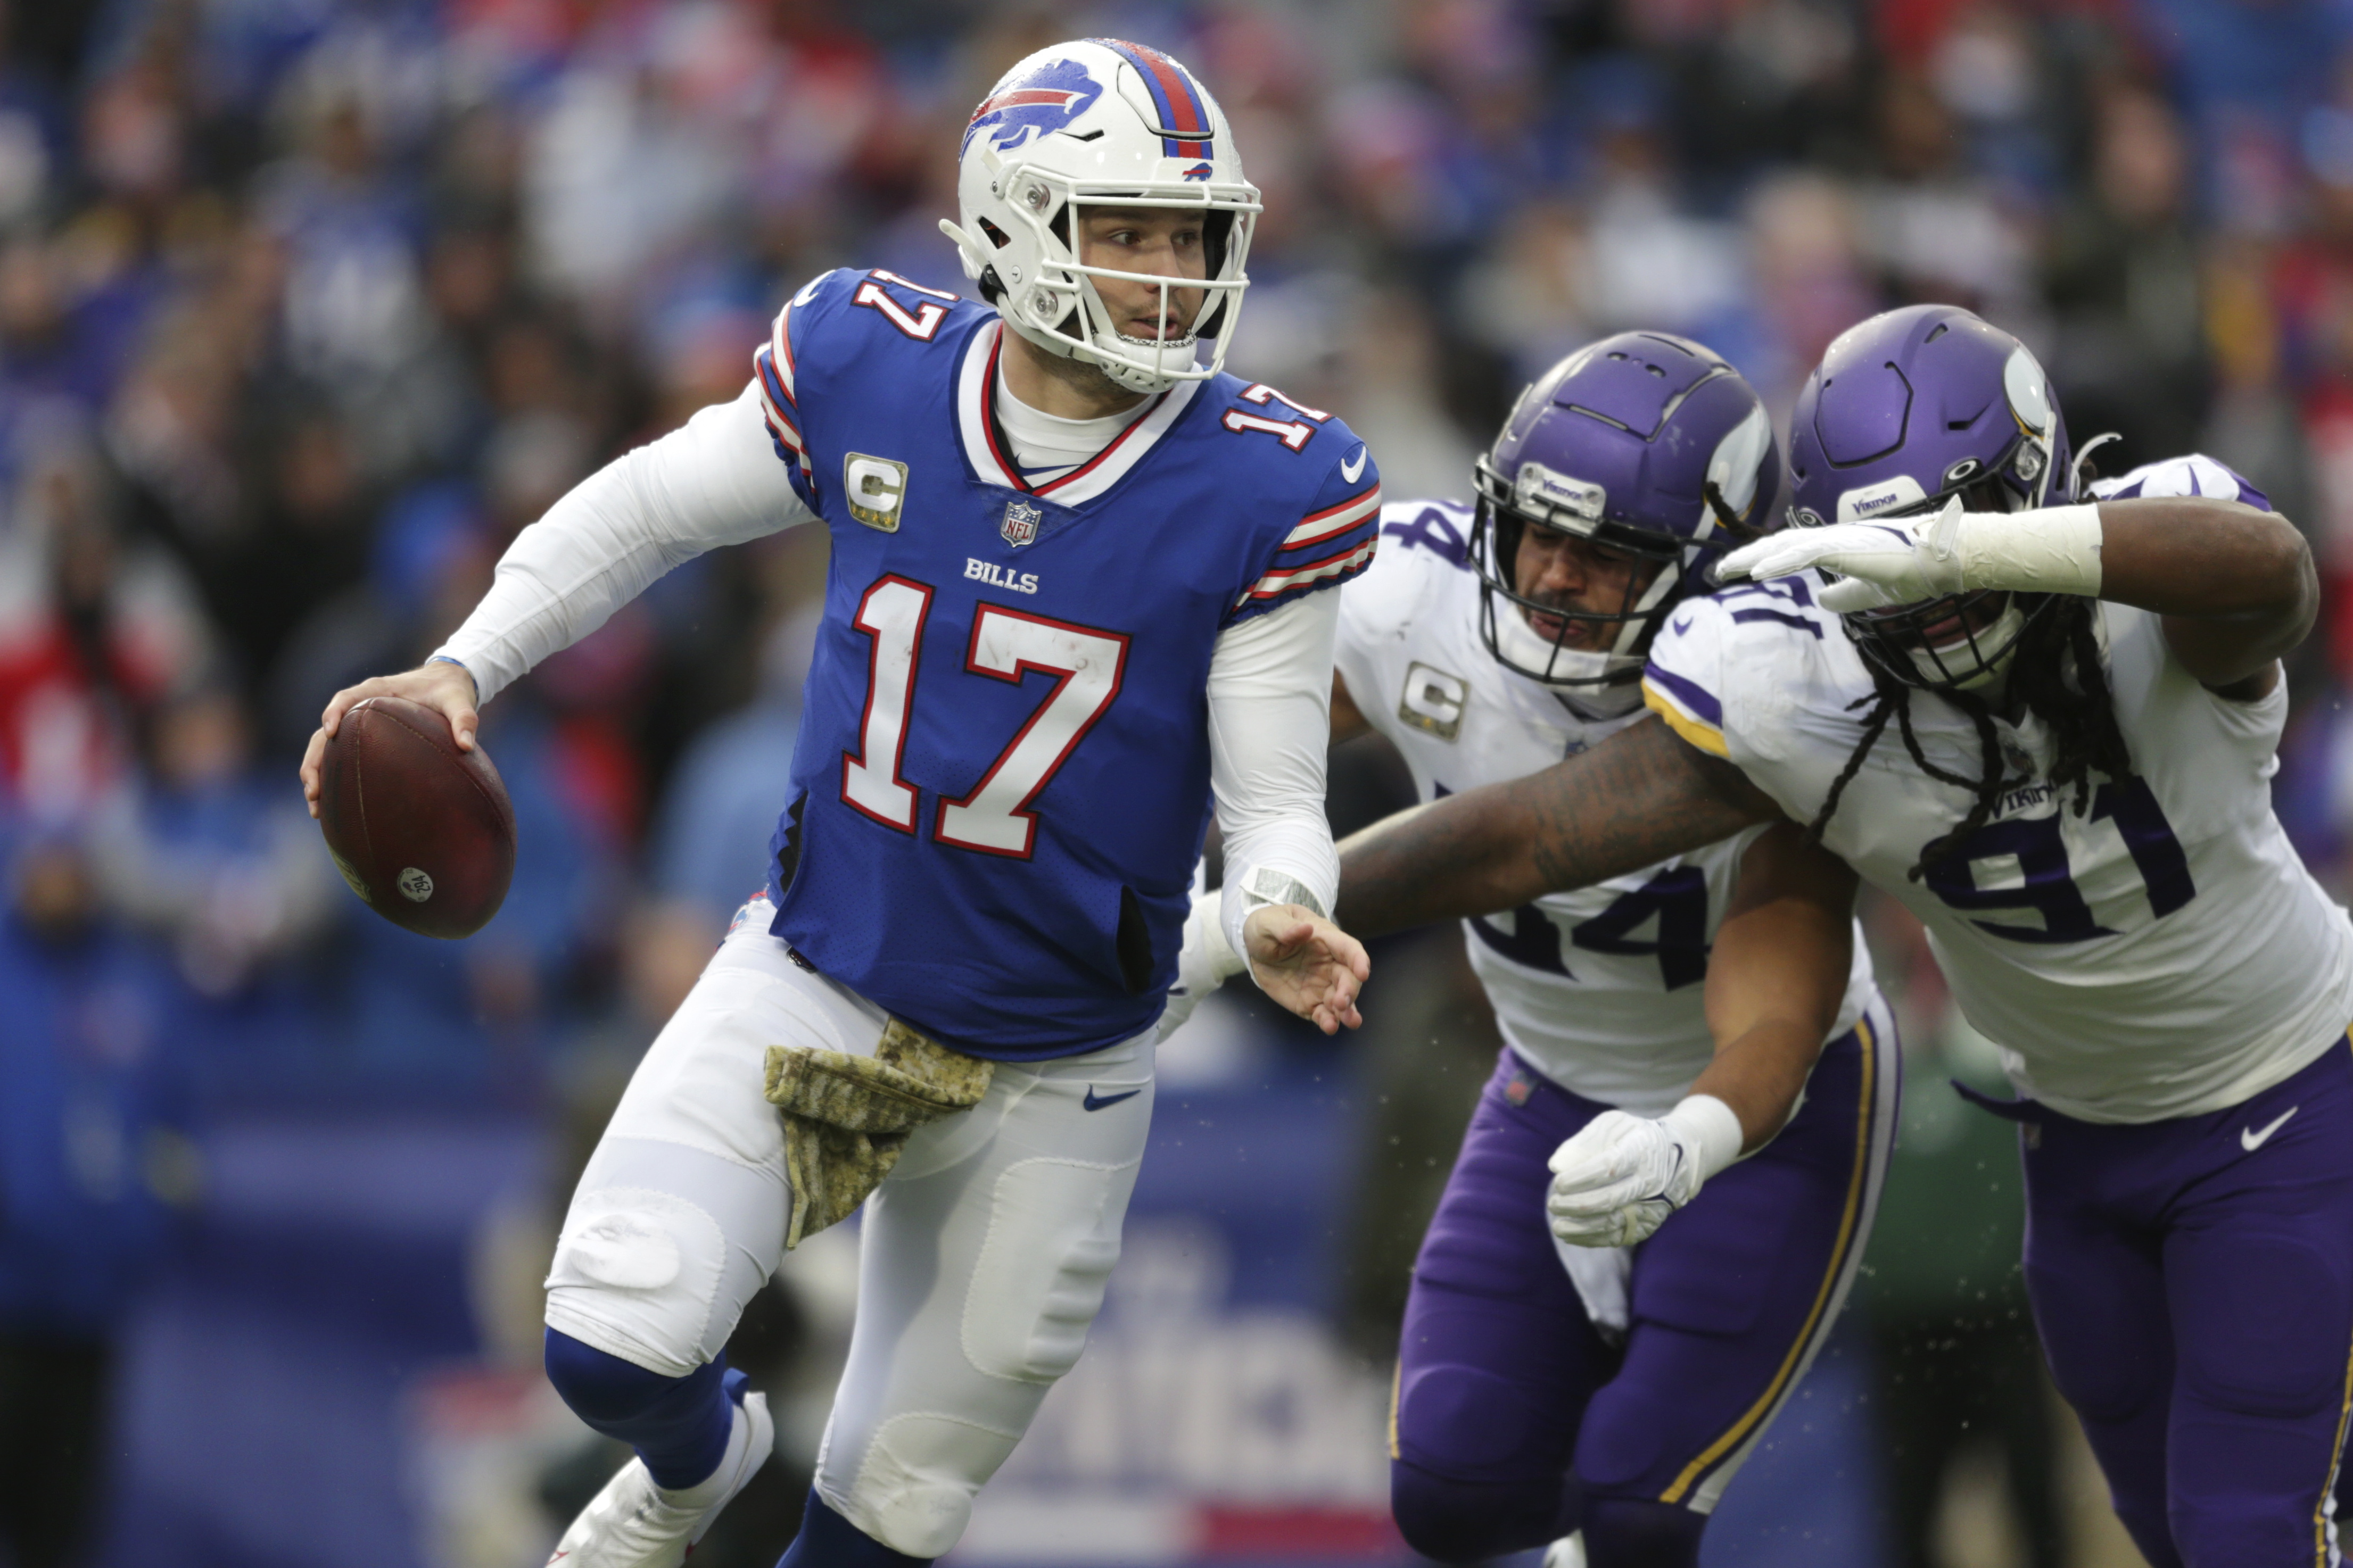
{"points": [[633, 1523], [1568, 1551]]}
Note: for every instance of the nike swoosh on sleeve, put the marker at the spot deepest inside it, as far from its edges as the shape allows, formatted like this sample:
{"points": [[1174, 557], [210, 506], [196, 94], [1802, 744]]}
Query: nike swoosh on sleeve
{"points": [[1349, 470]]}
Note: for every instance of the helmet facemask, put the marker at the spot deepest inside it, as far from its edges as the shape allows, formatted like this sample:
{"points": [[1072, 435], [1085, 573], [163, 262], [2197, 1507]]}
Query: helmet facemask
{"points": [[1058, 308], [1960, 642], [1505, 623]]}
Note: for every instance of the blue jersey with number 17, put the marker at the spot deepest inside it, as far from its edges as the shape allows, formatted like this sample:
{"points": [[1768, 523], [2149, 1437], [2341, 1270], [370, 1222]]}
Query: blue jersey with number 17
{"points": [[1002, 779]]}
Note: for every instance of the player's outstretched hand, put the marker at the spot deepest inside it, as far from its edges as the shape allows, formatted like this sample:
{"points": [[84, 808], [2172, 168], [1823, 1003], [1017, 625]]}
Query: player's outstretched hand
{"points": [[1895, 560], [1307, 963], [445, 687]]}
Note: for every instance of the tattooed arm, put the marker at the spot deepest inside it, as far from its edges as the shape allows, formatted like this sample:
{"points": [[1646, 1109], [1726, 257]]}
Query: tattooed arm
{"points": [[1636, 799]]}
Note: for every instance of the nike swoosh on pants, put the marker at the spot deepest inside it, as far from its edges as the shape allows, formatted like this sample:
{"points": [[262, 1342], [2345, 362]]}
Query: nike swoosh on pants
{"points": [[2250, 1140]]}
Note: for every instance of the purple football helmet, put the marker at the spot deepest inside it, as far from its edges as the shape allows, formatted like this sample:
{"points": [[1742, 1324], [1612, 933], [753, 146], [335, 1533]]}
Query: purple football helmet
{"points": [[1907, 409], [1644, 444]]}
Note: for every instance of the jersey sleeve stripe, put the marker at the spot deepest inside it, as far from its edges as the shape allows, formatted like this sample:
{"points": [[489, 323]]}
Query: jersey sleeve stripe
{"points": [[779, 413], [1297, 557], [780, 342], [1335, 520], [787, 436], [1315, 574], [1707, 734]]}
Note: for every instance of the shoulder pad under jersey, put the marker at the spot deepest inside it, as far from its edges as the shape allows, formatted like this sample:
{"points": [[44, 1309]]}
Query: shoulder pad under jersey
{"points": [[835, 323], [2194, 475], [1716, 655], [1412, 564]]}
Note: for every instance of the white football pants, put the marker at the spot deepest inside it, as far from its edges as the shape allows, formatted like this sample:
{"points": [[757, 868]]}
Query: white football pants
{"points": [[984, 1254]]}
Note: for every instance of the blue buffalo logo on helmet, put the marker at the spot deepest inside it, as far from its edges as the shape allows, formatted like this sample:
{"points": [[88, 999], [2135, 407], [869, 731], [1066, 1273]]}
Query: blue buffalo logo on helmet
{"points": [[1646, 446], [1908, 411], [1038, 105]]}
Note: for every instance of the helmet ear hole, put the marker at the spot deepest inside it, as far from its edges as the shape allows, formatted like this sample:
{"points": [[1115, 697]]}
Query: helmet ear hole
{"points": [[997, 236], [1217, 233]]}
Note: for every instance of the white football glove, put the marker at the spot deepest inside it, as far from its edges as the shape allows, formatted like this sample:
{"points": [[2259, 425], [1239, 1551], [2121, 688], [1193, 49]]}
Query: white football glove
{"points": [[1619, 1178], [1900, 561], [1906, 560], [1205, 961]]}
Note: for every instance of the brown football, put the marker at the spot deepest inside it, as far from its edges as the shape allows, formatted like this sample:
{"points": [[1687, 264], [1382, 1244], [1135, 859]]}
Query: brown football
{"points": [[421, 830]]}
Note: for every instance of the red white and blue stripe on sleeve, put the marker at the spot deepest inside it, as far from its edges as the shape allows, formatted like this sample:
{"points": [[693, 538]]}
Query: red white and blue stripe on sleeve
{"points": [[1326, 547], [772, 364]]}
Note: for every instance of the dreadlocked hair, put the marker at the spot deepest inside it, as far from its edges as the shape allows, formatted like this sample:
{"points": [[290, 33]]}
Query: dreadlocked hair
{"points": [[2054, 673]]}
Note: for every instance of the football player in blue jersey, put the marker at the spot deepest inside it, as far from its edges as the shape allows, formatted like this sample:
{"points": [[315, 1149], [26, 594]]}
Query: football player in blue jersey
{"points": [[1078, 604]]}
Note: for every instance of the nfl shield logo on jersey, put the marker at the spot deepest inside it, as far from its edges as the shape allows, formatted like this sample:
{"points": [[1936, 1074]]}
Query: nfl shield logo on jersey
{"points": [[1021, 522]]}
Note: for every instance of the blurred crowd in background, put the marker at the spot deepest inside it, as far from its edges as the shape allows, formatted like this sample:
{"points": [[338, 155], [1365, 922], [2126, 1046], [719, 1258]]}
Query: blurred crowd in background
{"points": [[308, 305]]}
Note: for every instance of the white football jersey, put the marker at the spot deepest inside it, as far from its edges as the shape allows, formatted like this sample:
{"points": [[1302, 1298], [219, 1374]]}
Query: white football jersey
{"points": [[1598, 989], [2163, 955]]}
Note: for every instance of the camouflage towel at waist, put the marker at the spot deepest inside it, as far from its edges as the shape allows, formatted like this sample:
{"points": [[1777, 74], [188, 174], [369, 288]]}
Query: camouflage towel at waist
{"points": [[847, 1118]]}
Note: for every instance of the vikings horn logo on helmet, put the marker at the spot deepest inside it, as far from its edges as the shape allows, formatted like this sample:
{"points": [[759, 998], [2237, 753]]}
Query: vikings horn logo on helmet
{"points": [[1038, 105]]}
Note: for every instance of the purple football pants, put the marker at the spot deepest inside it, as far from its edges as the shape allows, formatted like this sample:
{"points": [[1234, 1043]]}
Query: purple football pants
{"points": [[2192, 1280], [1515, 1423]]}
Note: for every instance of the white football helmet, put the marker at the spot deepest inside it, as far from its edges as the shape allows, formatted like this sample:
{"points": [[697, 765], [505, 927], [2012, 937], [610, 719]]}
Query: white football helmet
{"points": [[1092, 123]]}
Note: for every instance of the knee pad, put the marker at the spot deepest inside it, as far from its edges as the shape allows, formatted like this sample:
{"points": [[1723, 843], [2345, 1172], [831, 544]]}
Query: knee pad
{"points": [[827, 1538], [1470, 1521], [2263, 1334], [1053, 1237], [603, 1390], [1471, 1420], [636, 1275], [2251, 1531], [918, 1477], [679, 1426]]}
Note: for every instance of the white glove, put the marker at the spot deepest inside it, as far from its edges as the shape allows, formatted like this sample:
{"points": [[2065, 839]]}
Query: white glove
{"points": [[1904, 560], [1619, 1178], [1205, 961]]}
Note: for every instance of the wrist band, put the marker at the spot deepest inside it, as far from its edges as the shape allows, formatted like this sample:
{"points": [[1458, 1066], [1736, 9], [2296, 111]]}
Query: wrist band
{"points": [[1711, 1128], [2051, 550], [1269, 887], [470, 678], [1224, 962]]}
